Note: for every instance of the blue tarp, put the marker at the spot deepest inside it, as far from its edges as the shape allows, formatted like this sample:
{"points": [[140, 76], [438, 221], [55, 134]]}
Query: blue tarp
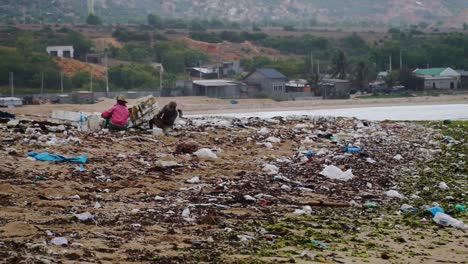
{"points": [[44, 156]]}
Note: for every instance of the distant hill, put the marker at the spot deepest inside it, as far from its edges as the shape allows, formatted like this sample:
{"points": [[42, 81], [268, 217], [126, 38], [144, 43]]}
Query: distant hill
{"points": [[449, 13]]}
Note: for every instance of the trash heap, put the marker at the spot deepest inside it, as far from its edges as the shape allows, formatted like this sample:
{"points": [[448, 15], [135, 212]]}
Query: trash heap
{"points": [[222, 190]]}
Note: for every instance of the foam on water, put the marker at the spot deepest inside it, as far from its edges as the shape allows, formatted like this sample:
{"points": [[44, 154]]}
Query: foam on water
{"points": [[419, 112]]}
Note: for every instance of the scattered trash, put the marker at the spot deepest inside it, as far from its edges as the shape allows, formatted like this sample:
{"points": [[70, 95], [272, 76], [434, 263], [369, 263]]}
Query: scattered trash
{"points": [[336, 173], [352, 149], [460, 208], [398, 157], [270, 169], [44, 156], [436, 209], [156, 131], [443, 186], [447, 139], [393, 194], [446, 220], [264, 131]]}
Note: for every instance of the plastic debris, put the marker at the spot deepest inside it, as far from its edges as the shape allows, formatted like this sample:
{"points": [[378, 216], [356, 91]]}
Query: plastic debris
{"points": [[264, 131], [336, 173], [398, 157], [446, 220], [352, 149], [44, 156], [270, 169], [436, 209], [443, 186], [393, 194]]}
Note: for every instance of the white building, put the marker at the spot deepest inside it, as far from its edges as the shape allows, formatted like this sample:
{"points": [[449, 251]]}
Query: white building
{"points": [[61, 51], [445, 83]]}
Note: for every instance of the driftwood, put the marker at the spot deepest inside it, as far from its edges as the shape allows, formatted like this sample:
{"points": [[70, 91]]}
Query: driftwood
{"points": [[323, 203], [138, 138]]}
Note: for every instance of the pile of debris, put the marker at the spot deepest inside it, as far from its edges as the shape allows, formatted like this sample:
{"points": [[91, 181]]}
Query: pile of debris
{"points": [[212, 190]]}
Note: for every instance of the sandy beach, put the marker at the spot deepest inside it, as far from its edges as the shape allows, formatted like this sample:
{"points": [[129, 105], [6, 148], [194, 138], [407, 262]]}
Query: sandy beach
{"points": [[205, 105]]}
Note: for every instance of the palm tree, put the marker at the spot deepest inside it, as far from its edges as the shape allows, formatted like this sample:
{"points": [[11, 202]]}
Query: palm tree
{"points": [[339, 65]]}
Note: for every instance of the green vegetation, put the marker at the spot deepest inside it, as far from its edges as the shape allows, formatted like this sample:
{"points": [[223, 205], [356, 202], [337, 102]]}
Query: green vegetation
{"points": [[93, 20]]}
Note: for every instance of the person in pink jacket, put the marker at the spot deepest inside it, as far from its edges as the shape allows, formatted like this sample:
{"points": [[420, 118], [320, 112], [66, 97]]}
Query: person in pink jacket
{"points": [[117, 117]]}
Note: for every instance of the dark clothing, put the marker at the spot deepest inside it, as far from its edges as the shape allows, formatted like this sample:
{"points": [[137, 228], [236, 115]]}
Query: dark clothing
{"points": [[165, 118], [109, 125]]}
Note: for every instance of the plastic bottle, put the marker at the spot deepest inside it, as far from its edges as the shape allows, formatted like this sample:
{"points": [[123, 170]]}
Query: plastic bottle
{"points": [[352, 149], [446, 220]]}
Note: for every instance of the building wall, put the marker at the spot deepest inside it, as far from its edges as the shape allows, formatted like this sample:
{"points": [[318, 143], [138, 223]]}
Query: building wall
{"points": [[266, 84], [441, 84]]}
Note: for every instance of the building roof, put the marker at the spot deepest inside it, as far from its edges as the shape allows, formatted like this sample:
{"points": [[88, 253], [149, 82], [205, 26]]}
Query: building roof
{"points": [[271, 73], [463, 73], [215, 83], [203, 70], [431, 71]]}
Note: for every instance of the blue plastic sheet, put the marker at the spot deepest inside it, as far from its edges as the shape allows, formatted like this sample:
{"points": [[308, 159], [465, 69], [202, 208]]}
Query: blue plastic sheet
{"points": [[436, 209], [44, 156]]}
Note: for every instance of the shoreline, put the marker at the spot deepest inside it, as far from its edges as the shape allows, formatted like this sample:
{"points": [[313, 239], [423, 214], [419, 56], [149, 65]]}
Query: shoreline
{"points": [[192, 105]]}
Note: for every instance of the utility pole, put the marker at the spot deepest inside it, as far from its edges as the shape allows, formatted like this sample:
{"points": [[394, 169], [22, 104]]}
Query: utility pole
{"points": [[107, 75], [61, 82], [311, 63], [200, 69], [390, 63], [160, 80], [42, 82], [12, 84], [401, 61], [318, 67], [91, 84]]}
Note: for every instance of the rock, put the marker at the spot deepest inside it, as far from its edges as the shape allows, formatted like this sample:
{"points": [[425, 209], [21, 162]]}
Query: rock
{"points": [[273, 140], [59, 241], [13, 123], [76, 245], [194, 180], [187, 147], [166, 164], [398, 157], [84, 216], [205, 153], [249, 198]]}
